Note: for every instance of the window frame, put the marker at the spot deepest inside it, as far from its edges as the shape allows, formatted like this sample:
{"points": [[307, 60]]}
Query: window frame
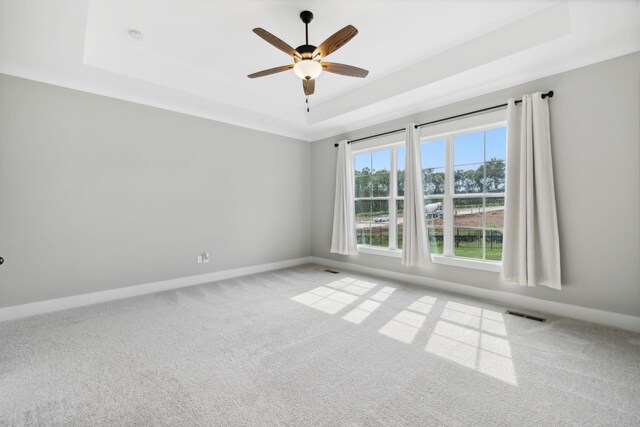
{"points": [[390, 198], [447, 257]]}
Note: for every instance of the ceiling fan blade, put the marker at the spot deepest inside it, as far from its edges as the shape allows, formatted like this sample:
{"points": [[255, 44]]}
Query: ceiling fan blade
{"points": [[309, 86], [336, 41], [345, 70], [270, 71], [273, 40]]}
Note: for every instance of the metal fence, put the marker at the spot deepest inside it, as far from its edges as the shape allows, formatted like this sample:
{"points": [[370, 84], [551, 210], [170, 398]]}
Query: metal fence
{"points": [[473, 238], [465, 237]]}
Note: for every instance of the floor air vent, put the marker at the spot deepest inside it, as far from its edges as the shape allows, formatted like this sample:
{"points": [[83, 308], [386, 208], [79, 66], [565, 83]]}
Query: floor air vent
{"points": [[526, 316], [332, 271]]}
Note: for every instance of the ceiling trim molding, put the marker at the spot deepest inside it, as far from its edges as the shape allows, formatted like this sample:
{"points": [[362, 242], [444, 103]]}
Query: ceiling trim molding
{"points": [[149, 101]]}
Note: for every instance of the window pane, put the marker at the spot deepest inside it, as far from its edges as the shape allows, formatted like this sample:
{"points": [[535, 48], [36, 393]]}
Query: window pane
{"points": [[400, 219], [372, 222], [380, 223], [468, 148], [436, 239], [400, 155], [362, 186], [363, 222], [493, 245], [380, 169], [434, 218], [381, 160], [362, 163], [494, 208], [432, 154], [467, 242], [468, 212], [495, 176], [380, 184], [496, 144], [433, 181], [362, 175], [372, 173], [469, 179], [434, 212]]}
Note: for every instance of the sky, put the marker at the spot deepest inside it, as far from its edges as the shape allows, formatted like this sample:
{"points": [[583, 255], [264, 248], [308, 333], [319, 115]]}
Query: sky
{"points": [[468, 149]]}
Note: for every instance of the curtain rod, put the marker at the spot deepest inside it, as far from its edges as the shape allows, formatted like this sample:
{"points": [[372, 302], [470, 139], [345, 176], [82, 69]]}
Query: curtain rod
{"points": [[544, 95]]}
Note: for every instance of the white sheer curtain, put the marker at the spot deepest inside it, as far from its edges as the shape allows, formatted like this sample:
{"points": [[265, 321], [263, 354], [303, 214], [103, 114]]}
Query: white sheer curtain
{"points": [[531, 250], [415, 247], [343, 240]]}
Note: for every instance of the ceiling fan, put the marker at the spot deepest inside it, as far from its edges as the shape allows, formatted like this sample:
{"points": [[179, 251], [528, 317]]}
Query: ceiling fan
{"points": [[308, 59]]}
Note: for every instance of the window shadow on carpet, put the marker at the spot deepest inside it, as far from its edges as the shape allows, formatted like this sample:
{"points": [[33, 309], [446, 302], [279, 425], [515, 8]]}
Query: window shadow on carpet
{"points": [[467, 335]]}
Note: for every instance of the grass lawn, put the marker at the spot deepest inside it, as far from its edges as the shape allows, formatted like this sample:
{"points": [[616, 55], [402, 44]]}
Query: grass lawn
{"points": [[464, 249]]}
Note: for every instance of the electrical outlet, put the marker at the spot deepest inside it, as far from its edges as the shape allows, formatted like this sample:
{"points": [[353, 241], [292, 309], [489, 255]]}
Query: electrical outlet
{"points": [[199, 259], [205, 257]]}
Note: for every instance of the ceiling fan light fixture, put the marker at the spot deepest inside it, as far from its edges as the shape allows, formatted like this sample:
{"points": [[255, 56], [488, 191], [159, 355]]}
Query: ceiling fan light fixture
{"points": [[307, 69], [309, 59]]}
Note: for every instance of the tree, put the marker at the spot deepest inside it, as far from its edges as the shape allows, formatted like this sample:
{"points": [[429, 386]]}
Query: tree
{"points": [[380, 183], [432, 182], [363, 183], [495, 175], [468, 181]]}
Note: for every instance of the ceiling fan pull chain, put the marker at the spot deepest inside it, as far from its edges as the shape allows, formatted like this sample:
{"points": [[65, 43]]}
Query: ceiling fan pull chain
{"points": [[307, 101]]}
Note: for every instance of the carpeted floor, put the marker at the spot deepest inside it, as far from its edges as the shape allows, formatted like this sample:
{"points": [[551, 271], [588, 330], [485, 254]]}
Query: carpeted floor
{"points": [[304, 347]]}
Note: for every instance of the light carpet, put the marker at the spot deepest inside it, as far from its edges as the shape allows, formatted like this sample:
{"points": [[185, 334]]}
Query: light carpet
{"points": [[301, 346]]}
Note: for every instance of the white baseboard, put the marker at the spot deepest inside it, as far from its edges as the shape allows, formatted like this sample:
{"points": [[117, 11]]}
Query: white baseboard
{"points": [[617, 320], [622, 321], [41, 307]]}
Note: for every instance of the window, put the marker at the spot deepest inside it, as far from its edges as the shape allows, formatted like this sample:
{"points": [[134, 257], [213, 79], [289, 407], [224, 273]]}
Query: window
{"points": [[463, 177], [477, 198], [372, 192]]}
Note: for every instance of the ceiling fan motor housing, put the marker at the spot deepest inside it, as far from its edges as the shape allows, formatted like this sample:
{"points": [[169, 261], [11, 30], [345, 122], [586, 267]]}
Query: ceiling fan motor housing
{"points": [[306, 51]]}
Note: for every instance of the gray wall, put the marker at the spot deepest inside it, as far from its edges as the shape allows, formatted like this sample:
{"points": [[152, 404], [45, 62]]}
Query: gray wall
{"points": [[98, 193], [595, 120]]}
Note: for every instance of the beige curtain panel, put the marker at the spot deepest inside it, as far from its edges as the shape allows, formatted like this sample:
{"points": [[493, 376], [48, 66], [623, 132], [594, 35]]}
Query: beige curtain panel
{"points": [[415, 247], [343, 239], [531, 250]]}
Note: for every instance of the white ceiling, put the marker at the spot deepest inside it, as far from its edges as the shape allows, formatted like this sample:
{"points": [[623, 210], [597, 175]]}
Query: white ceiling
{"points": [[196, 53]]}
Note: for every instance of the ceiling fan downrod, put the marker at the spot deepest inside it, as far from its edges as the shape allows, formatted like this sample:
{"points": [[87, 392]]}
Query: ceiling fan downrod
{"points": [[306, 17]]}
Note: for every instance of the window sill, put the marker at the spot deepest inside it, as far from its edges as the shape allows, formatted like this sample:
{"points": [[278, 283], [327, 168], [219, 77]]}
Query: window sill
{"points": [[436, 259], [467, 263], [394, 253]]}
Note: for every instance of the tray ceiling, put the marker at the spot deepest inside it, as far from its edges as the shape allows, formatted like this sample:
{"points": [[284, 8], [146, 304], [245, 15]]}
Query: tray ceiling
{"points": [[195, 54]]}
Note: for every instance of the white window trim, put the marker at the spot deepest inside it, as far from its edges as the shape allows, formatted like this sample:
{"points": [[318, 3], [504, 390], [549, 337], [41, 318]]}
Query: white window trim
{"points": [[376, 250], [436, 259], [478, 264], [447, 258], [392, 200]]}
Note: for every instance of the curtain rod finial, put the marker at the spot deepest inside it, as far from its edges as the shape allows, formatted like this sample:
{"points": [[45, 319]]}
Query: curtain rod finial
{"points": [[337, 144]]}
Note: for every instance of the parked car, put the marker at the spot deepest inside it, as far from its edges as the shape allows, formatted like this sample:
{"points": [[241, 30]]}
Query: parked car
{"points": [[433, 210], [382, 218]]}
